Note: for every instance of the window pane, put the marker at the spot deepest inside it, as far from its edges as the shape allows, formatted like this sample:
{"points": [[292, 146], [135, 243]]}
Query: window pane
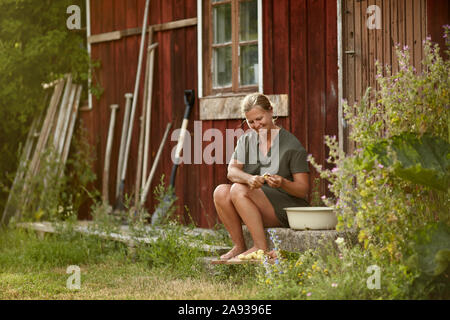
{"points": [[248, 20], [248, 62], [222, 23], [222, 67]]}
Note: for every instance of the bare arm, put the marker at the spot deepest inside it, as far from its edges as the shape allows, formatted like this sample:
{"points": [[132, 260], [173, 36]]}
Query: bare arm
{"points": [[237, 175], [298, 188]]}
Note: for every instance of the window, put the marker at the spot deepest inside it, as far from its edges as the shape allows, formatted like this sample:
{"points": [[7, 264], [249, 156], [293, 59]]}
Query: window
{"points": [[231, 47]]}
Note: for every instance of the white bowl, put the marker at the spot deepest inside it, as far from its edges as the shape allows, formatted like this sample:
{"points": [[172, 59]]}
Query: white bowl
{"points": [[312, 218]]}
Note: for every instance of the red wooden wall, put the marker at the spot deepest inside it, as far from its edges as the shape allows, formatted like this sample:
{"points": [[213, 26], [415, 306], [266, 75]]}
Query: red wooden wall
{"points": [[300, 59]]}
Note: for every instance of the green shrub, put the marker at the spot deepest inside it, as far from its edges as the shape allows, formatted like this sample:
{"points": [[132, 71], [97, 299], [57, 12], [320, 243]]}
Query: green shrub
{"points": [[391, 201]]}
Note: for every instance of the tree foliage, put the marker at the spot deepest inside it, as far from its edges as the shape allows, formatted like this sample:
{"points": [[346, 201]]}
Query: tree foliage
{"points": [[36, 47]]}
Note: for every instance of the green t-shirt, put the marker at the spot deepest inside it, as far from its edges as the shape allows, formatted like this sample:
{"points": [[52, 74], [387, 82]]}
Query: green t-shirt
{"points": [[285, 157]]}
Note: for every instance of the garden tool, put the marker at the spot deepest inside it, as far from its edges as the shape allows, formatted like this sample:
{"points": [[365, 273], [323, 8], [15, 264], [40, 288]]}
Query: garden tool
{"points": [[165, 204]]}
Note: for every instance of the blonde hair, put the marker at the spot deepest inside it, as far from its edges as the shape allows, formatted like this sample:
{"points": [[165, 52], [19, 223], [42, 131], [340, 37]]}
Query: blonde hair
{"points": [[255, 99]]}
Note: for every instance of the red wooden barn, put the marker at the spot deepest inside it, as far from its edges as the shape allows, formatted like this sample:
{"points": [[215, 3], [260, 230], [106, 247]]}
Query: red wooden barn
{"points": [[307, 55]]}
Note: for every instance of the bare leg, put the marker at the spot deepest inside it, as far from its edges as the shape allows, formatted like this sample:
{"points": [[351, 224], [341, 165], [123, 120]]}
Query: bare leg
{"points": [[231, 220], [256, 211]]}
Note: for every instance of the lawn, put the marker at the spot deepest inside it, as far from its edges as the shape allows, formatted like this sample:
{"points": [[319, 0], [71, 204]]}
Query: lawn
{"points": [[34, 268]]}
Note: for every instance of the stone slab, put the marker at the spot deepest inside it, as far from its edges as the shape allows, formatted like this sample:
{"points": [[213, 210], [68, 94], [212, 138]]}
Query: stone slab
{"points": [[299, 241]]}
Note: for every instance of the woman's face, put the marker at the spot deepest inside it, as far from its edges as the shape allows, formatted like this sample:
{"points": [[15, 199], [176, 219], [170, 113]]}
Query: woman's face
{"points": [[258, 118]]}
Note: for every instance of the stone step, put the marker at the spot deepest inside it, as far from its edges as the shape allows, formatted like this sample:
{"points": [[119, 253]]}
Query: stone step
{"points": [[299, 241]]}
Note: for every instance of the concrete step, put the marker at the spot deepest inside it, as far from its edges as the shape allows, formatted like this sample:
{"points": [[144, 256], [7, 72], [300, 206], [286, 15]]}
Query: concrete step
{"points": [[299, 241]]}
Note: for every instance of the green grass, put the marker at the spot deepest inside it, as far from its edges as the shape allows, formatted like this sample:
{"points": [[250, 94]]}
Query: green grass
{"points": [[34, 268]]}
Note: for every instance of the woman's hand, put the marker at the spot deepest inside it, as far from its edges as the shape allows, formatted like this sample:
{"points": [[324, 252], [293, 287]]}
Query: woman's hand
{"points": [[274, 181], [255, 182]]}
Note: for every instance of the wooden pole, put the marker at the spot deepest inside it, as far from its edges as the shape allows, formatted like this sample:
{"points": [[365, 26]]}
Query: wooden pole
{"points": [[154, 165], [109, 143], [126, 122], [149, 111], [133, 107]]}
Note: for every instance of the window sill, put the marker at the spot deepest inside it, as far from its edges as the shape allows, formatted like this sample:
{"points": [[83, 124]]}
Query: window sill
{"points": [[228, 106]]}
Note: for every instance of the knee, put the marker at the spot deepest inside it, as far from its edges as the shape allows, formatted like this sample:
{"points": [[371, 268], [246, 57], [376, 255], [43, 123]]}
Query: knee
{"points": [[238, 190], [221, 193]]}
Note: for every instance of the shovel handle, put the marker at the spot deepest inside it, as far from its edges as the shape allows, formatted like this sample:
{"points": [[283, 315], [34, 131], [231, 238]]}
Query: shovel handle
{"points": [[189, 100]]}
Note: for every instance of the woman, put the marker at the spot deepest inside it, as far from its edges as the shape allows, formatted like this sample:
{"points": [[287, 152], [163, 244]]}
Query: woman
{"points": [[269, 172]]}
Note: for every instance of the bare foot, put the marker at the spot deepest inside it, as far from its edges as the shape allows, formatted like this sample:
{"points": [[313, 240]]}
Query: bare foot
{"points": [[252, 249], [232, 253]]}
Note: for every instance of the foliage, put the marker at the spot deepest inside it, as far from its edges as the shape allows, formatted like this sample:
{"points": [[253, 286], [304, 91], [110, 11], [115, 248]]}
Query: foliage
{"points": [[344, 273], [386, 188], [55, 193], [36, 47], [423, 160], [166, 207]]}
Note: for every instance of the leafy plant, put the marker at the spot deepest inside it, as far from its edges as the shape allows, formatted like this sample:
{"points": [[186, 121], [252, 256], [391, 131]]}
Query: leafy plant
{"points": [[35, 48], [423, 160]]}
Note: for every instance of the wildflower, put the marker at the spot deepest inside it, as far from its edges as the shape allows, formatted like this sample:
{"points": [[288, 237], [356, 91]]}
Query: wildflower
{"points": [[336, 169], [380, 166], [339, 240], [334, 285], [341, 256], [308, 294]]}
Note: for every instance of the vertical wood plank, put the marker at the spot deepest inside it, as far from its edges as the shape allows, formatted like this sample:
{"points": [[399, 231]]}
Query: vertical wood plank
{"points": [[119, 91], [418, 35], [409, 16], [316, 84], [387, 36], [380, 42], [298, 74], [372, 49], [436, 14], [331, 125], [281, 46], [268, 46], [349, 45], [402, 22], [394, 33], [364, 48], [359, 52], [192, 179]]}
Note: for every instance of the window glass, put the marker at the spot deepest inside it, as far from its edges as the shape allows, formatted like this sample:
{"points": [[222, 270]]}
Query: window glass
{"points": [[222, 67], [248, 20], [222, 23], [248, 62]]}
